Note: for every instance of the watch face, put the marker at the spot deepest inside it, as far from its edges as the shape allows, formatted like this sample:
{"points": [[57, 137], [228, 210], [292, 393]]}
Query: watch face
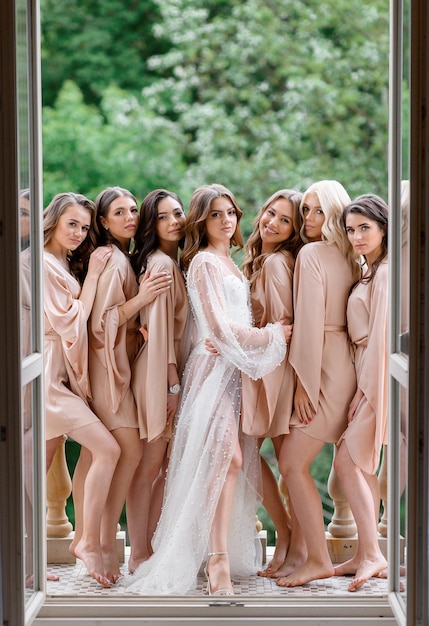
{"points": [[174, 389]]}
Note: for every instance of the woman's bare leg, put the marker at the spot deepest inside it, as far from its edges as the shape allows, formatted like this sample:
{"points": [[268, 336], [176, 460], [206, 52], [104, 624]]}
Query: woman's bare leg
{"points": [[105, 453], [78, 487], [279, 515], [218, 565], [131, 453], [156, 500], [297, 453], [139, 500], [51, 448], [361, 490]]}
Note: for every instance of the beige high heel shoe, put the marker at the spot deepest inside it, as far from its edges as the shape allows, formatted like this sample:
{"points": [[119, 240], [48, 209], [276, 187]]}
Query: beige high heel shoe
{"points": [[219, 592]]}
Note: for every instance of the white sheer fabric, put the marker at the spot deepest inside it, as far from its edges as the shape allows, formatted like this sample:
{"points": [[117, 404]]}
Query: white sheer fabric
{"points": [[205, 435]]}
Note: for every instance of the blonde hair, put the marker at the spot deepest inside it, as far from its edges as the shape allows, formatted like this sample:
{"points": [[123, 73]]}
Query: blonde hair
{"points": [[254, 259], [195, 226], [333, 198]]}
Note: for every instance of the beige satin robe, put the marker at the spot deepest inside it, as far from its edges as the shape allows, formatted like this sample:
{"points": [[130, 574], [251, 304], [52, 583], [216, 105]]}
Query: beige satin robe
{"points": [[320, 350], [112, 348], [66, 352], [267, 402], [165, 321], [26, 335], [367, 312]]}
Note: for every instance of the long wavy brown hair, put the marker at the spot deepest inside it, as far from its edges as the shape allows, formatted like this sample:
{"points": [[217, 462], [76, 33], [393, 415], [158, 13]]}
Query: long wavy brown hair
{"points": [[195, 227], [254, 259], [78, 259], [102, 205], [373, 208], [146, 239]]}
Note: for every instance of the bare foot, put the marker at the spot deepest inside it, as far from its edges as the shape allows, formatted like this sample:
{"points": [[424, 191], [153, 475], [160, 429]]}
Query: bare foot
{"points": [[348, 568], [366, 570], [277, 560], [29, 580], [402, 572], [111, 566], [72, 546], [219, 575], [306, 573], [93, 561], [133, 563], [295, 558]]}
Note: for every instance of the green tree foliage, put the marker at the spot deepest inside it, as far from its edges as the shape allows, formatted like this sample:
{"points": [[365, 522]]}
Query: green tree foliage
{"points": [[97, 42], [257, 95], [122, 142], [277, 93]]}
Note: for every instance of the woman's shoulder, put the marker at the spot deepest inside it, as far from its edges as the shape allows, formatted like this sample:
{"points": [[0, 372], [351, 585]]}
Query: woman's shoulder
{"points": [[205, 257], [158, 261], [118, 264], [277, 266], [118, 258], [381, 277], [384, 266], [280, 259], [52, 265]]}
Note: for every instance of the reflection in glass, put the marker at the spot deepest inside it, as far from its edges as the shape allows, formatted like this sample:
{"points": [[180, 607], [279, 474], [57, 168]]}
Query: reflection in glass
{"points": [[405, 293], [27, 404], [27, 396], [403, 473], [25, 273], [24, 218]]}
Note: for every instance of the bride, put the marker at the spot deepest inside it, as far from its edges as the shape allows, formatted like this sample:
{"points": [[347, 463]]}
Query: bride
{"points": [[211, 491]]}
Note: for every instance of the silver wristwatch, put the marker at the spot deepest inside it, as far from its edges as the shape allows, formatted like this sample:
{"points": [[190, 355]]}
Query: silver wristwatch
{"points": [[174, 389]]}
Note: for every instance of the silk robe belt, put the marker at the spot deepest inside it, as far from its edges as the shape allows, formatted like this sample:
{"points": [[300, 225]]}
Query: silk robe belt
{"points": [[333, 329]]}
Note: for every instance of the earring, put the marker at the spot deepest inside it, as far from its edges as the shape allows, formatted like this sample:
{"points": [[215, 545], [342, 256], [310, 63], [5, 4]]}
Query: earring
{"points": [[106, 227]]}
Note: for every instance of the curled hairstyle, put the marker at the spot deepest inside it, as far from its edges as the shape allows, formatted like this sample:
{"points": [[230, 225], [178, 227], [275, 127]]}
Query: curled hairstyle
{"points": [[146, 239], [254, 259], [79, 258], [332, 198], [102, 205], [195, 227], [375, 209]]}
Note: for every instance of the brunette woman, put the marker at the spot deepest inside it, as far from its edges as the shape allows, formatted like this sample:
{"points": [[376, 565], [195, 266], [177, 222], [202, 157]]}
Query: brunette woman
{"points": [[358, 456], [213, 470], [157, 369], [114, 341]]}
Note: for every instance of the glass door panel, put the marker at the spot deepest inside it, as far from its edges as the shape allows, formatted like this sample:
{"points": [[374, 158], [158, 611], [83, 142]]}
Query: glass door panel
{"points": [[399, 303], [31, 337]]}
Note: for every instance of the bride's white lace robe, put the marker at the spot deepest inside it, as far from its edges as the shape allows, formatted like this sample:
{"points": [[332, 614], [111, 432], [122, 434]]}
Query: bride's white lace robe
{"points": [[207, 428]]}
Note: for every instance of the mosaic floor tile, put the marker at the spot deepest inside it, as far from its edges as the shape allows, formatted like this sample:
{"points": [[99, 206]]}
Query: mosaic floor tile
{"points": [[74, 581]]}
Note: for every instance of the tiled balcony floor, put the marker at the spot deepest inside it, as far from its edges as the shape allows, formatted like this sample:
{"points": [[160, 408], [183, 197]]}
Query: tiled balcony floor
{"points": [[74, 581]]}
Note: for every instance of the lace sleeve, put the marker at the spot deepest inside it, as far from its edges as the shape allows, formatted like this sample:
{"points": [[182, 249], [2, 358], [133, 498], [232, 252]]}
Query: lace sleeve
{"points": [[221, 307]]}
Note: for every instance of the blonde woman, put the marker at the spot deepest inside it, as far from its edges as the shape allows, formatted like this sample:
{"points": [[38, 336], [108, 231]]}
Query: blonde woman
{"points": [[320, 355]]}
